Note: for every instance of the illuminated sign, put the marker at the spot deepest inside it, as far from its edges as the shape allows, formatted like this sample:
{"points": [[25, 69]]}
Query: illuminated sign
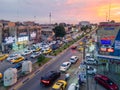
{"points": [[108, 38], [107, 49], [106, 42], [103, 49], [109, 28], [24, 38], [9, 40], [117, 44], [110, 50]]}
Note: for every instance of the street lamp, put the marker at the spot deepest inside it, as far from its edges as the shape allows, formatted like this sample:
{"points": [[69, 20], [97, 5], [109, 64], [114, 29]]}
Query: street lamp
{"points": [[84, 58]]}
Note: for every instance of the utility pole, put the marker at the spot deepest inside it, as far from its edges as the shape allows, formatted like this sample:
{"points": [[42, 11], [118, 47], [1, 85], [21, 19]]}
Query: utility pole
{"points": [[84, 58], [109, 10], [50, 18]]}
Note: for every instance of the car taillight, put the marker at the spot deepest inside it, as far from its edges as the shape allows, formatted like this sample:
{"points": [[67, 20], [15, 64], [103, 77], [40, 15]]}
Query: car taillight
{"points": [[45, 81]]}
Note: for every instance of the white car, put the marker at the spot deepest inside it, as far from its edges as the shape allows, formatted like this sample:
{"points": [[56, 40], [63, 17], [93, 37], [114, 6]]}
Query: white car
{"points": [[65, 66], [91, 61], [91, 70], [35, 54], [12, 56], [73, 59], [26, 52], [73, 86]]}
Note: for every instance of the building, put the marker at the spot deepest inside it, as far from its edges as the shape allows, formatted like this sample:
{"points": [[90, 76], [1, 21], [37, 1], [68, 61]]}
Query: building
{"points": [[84, 23], [47, 33], [108, 45], [17, 35]]}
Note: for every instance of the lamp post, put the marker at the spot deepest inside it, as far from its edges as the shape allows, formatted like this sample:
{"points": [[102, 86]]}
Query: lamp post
{"points": [[84, 58]]}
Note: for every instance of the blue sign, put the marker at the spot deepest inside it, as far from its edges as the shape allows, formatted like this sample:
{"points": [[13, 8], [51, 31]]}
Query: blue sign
{"points": [[109, 28], [117, 44], [106, 42]]}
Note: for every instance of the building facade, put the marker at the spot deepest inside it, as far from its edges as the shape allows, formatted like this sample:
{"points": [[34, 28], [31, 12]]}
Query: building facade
{"points": [[108, 45]]}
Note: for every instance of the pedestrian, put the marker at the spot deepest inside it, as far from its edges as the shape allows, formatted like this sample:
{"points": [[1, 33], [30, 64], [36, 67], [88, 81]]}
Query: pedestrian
{"points": [[80, 81], [67, 76]]}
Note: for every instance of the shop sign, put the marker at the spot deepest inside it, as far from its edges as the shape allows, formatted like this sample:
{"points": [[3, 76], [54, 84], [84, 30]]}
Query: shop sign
{"points": [[117, 44], [106, 42], [104, 61], [107, 49], [109, 28]]}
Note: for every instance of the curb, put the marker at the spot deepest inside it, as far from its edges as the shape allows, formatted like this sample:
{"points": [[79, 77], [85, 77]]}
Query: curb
{"points": [[30, 76]]}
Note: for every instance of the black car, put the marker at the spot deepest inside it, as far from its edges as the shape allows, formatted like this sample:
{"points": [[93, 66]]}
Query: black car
{"points": [[18, 66], [49, 78]]}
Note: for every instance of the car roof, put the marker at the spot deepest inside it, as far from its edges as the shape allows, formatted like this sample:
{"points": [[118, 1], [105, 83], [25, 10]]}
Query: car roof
{"points": [[102, 76], [58, 84], [66, 62], [73, 56]]}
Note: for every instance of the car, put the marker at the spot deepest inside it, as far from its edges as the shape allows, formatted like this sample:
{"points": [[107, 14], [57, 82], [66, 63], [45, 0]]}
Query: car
{"points": [[59, 85], [47, 51], [35, 54], [18, 66], [49, 78], [65, 66], [91, 61], [91, 70], [73, 46], [3, 57], [80, 49], [74, 59], [1, 75], [18, 59], [73, 86], [12, 56], [106, 82], [26, 52]]}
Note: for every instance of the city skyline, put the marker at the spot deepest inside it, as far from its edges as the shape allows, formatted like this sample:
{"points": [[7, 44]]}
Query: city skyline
{"points": [[69, 11]]}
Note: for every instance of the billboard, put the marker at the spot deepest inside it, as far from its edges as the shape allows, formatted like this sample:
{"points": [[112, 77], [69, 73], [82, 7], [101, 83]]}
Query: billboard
{"points": [[105, 42]]}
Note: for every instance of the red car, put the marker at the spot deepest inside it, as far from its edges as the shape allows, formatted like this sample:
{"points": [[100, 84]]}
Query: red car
{"points": [[74, 47], [105, 82]]}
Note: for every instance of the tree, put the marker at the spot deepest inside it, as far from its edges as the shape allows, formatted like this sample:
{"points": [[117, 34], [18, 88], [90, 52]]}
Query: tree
{"points": [[59, 31], [41, 58]]}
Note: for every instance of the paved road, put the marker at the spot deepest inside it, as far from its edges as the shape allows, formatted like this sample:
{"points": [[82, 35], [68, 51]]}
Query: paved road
{"points": [[5, 65], [34, 84]]}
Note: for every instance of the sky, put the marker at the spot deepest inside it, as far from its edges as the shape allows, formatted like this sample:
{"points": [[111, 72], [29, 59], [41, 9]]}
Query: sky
{"points": [[68, 11]]}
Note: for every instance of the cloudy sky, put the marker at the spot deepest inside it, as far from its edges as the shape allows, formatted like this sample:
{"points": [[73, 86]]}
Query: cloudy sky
{"points": [[69, 11]]}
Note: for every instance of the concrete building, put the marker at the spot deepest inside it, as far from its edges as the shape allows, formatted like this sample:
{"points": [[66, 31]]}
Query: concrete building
{"points": [[16, 35], [108, 45], [84, 23]]}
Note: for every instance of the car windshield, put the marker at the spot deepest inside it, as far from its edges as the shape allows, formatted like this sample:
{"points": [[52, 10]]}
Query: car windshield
{"points": [[63, 65], [72, 59], [110, 82]]}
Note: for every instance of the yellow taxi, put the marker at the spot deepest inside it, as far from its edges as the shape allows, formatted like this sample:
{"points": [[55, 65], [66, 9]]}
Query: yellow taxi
{"points": [[80, 49], [37, 49], [81, 43], [47, 51], [18, 59], [1, 75], [3, 57], [59, 85]]}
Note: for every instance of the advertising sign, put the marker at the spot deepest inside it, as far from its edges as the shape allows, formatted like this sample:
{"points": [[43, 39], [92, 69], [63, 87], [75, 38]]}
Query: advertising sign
{"points": [[109, 28], [106, 42], [117, 44]]}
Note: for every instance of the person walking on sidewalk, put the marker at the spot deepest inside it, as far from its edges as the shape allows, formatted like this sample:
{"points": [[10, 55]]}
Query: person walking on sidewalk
{"points": [[67, 76]]}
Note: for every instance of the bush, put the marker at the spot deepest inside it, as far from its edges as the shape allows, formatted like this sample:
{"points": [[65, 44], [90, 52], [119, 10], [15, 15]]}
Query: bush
{"points": [[41, 58]]}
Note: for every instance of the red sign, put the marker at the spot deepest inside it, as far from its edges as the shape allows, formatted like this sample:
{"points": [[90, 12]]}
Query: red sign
{"points": [[110, 50], [107, 49], [108, 38]]}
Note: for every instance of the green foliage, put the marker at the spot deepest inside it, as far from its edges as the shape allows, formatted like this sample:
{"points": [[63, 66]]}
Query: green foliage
{"points": [[41, 58], [59, 31]]}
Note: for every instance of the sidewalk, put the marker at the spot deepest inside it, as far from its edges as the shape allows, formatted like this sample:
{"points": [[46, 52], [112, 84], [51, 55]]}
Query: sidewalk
{"points": [[113, 76]]}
